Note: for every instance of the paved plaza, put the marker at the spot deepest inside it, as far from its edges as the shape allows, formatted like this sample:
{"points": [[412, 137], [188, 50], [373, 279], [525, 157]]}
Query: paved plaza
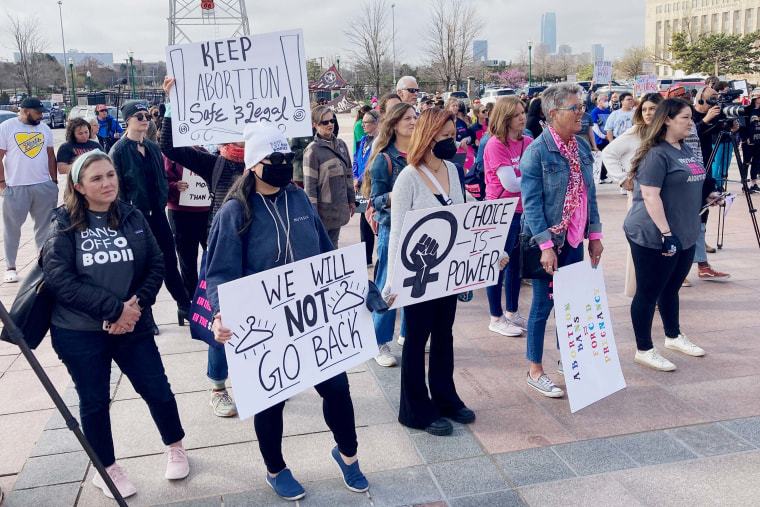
{"points": [[689, 437]]}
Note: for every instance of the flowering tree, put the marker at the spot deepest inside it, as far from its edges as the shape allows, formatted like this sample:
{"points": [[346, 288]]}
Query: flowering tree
{"points": [[511, 78]]}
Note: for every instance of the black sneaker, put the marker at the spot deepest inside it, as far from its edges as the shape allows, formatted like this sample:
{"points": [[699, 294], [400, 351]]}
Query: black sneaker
{"points": [[440, 427], [754, 189]]}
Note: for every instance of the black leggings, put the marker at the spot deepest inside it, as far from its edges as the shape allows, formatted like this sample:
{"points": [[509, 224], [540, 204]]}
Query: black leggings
{"points": [[658, 280], [751, 155], [367, 236], [338, 410], [159, 226], [189, 228]]}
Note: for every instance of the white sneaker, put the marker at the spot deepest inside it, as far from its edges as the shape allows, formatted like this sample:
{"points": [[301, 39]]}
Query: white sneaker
{"points": [[223, 404], [177, 466], [121, 481], [10, 276], [683, 344], [623, 191], [653, 359], [607, 180], [401, 340], [545, 386], [517, 320], [502, 326], [385, 358]]}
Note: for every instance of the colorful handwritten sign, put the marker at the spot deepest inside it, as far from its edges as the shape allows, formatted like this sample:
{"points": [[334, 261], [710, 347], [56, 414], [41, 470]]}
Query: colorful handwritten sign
{"points": [[602, 71], [295, 326], [450, 250], [225, 84], [196, 195], [586, 340], [645, 84]]}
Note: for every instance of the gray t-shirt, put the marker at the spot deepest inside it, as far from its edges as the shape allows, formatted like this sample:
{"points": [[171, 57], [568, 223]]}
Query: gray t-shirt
{"points": [[104, 259], [679, 174]]}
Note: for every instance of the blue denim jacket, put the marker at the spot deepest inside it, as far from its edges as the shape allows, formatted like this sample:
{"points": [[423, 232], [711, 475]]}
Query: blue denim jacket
{"points": [[545, 175], [382, 182]]}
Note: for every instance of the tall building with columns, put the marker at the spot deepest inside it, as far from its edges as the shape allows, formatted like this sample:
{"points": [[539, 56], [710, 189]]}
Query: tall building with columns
{"points": [[667, 17]]}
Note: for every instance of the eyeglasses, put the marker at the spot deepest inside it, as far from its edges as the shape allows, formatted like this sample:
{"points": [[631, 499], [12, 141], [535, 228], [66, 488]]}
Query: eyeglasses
{"points": [[141, 116], [368, 122], [102, 110], [412, 90], [155, 114], [577, 108], [278, 158], [327, 122]]}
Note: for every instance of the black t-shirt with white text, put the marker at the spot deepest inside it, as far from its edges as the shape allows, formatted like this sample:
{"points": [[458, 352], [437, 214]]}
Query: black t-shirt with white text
{"points": [[68, 151]]}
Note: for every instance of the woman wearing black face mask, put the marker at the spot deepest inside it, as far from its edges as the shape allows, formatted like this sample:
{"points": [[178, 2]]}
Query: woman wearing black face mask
{"points": [[429, 181], [268, 222]]}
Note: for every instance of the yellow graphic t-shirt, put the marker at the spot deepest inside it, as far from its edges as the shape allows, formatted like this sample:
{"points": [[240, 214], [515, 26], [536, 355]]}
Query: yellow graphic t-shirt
{"points": [[26, 158]]}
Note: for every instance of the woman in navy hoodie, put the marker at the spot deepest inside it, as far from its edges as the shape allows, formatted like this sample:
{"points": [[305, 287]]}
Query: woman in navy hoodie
{"points": [[269, 222]]}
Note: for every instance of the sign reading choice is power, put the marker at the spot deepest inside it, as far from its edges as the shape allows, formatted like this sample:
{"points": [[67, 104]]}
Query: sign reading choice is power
{"points": [[223, 85]]}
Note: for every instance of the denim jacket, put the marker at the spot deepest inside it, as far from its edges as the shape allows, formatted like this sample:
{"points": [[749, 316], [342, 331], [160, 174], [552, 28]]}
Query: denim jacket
{"points": [[382, 182], [545, 175]]}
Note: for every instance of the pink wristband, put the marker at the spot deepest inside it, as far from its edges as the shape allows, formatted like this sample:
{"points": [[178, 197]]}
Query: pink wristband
{"points": [[595, 235], [546, 245]]}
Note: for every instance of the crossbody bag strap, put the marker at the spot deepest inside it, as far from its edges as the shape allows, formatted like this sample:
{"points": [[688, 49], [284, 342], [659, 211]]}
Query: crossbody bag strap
{"points": [[437, 185], [390, 166]]}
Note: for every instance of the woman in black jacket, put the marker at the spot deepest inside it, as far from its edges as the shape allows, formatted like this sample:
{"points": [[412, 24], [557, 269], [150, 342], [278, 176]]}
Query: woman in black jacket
{"points": [[535, 118], [104, 269]]}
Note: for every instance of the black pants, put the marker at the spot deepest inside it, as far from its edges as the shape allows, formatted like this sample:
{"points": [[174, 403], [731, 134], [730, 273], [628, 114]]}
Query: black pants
{"points": [[88, 355], [658, 280], [751, 156], [338, 410], [189, 228], [603, 172], [366, 235], [434, 319], [159, 226]]}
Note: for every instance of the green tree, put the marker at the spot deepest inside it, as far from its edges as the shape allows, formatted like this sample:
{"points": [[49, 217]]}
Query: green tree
{"points": [[586, 72], [717, 53]]}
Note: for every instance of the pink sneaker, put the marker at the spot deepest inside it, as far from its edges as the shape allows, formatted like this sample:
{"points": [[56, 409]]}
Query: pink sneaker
{"points": [[119, 477], [177, 467]]}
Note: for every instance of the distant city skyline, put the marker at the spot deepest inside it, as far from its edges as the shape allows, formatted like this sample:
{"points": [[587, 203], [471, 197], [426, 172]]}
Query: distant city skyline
{"points": [[549, 30]]}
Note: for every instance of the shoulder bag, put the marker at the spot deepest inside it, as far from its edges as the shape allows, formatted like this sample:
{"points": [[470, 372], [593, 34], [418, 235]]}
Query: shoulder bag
{"points": [[33, 308]]}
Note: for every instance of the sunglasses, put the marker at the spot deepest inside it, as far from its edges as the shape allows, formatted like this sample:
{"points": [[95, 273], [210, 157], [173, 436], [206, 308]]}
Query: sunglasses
{"points": [[141, 116], [327, 122], [368, 122], [102, 110], [577, 108], [412, 90], [155, 115], [278, 158]]}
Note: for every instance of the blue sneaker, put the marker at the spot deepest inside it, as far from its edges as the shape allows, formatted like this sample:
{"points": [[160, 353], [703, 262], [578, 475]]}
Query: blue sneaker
{"points": [[353, 478], [286, 486]]}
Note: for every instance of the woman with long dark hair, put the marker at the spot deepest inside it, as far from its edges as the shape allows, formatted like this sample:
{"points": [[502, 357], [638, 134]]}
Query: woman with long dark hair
{"points": [[104, 269], [388, 158], [246, 228], [78, 142], [662, 228], [362, 153]]}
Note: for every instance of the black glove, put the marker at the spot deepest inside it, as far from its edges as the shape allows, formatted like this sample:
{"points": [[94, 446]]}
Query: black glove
{"points": [[670, 245]]}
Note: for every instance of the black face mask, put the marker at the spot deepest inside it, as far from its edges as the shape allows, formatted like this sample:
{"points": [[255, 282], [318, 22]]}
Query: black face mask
{"points": [[278, 175], [445, 149]]}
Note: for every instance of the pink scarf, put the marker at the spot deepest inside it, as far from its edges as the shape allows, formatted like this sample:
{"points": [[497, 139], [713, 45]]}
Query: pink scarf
{"points": [[574, 195]]}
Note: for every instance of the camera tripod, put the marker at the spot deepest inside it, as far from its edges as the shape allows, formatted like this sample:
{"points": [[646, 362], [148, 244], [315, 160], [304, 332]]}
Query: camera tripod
{"points": [[726, 139]]}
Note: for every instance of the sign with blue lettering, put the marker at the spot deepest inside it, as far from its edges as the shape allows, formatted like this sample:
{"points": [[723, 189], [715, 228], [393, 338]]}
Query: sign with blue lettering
{"points": [[586, 340], [224, 84], [295, 326], [450, 249]]}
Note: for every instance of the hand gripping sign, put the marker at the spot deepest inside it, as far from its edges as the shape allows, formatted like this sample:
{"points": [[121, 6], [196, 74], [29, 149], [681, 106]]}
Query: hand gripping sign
{"points": [[295, 326], [449, 250]]}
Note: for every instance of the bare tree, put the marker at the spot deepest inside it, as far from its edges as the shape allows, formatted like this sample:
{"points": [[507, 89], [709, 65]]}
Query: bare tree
{"points": [[369, 36], [630, 65], [27, 40], [448, 38]]}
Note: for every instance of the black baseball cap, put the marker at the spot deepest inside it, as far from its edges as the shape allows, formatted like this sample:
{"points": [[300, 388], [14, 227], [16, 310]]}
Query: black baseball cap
{"points": [[32, 103]]}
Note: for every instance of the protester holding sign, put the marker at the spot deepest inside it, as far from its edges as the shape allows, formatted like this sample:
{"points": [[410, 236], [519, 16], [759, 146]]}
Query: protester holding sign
{"points": [[502, 173], [268, 222], [557, 168], [143, 183], [429, 181], [104, 269], [662, 228], [327, 176], [386, 162]]}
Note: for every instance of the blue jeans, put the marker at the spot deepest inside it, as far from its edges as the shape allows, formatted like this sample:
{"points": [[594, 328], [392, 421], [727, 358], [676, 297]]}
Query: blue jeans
{"points": [[700, 252], [217, 364], [385, 323], [721, 162], [542, 304], [509, 276], [87, 356]]}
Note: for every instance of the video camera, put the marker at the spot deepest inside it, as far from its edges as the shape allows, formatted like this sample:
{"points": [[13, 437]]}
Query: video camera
{"points": [[729, 111]]}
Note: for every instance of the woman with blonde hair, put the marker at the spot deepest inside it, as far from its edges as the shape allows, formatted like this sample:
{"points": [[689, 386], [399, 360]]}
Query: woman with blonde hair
{"points": [[505, 147], [429, 181], [388, 158]]}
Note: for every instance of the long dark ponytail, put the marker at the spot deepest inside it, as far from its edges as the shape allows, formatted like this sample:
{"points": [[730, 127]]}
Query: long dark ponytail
{"points": [[241, 191]]}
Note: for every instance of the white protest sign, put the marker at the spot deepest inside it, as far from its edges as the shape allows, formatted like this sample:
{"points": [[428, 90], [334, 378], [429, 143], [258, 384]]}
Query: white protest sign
{"points": [[645, 84], [647, 68], [586, 341], [222, 85], [572, 78], [740, 84], [295, 326], [196, 195], [451, 249], [56, 98], [602, 71]]}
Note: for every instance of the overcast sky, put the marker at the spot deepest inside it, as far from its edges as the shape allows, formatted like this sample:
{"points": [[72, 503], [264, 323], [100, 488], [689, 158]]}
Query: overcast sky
{"points": [[141, 25]]}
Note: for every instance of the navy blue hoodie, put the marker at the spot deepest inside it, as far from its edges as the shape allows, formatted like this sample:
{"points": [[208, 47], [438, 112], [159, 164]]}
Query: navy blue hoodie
{"points": [[285, 229]]}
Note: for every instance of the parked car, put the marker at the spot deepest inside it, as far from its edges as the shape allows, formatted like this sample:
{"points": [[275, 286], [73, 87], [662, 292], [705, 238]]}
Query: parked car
{"points": [[586, 85], [7, 115], [88, 113], [457, 95], [493, 95], [614, 89], [8, 107], [666, 83], [530, 91], [53, 114]]}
